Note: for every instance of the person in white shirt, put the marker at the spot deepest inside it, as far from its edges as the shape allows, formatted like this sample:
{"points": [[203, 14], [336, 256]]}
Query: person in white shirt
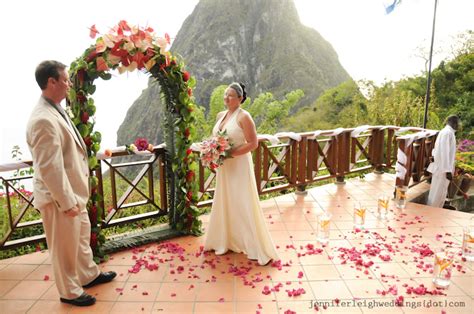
{"points": [[442, 165]]}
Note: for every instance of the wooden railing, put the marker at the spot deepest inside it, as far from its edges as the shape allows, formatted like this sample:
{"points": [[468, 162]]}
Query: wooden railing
{"points": [[151, 167], [291, 161]]}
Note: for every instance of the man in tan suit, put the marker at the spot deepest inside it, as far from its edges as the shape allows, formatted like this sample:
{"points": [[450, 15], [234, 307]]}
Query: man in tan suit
{"points": [[61, 187]]}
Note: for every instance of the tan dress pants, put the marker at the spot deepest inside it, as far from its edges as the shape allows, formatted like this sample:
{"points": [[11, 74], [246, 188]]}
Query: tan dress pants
{"points": [[68, 244]]}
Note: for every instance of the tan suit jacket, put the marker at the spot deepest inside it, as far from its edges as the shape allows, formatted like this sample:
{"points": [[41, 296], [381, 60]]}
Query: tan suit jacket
{"points": [[61, 172]]}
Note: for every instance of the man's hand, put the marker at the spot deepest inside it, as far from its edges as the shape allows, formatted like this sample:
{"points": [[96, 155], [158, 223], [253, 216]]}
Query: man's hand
{"points": [[72, 212], [449, 176]]}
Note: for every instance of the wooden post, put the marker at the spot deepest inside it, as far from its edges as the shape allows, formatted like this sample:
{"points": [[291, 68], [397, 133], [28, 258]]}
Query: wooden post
{"points": [[162, 170], [258, 169], [302, 165], [342, 155], [376, 150]]}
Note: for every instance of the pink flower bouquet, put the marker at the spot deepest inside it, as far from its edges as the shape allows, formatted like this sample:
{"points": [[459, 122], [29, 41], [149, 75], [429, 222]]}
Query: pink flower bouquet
{"points": [[215, 150]]}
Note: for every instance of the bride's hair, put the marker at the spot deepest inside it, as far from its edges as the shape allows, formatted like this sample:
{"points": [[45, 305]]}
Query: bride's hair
{"points": [[240, 90]]}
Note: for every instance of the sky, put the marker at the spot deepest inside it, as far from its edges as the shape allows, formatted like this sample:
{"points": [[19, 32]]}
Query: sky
{"points": [[370, 44]]}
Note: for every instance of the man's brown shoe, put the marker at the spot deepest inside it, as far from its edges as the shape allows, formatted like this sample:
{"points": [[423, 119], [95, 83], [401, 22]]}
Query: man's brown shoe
{"points": [[83, 300]]}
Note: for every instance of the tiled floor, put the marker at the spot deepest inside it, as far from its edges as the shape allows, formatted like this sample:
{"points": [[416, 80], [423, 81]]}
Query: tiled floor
{"points": [[311, 278]]}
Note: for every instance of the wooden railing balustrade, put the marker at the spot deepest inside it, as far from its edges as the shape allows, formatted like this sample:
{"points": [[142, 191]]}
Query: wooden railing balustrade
{"points": [[291, 161]]}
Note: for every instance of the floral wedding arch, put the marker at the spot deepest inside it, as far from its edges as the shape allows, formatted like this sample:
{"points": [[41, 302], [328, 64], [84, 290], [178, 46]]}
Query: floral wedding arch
{"points": [[128, 48]]}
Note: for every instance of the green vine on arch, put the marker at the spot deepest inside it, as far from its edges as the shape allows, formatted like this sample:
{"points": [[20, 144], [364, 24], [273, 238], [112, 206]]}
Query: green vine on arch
{"points": [[127, 48]]}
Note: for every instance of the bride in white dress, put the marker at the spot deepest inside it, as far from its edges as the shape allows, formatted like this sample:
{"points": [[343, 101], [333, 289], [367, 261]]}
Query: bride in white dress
{"points": [[237, 222]]}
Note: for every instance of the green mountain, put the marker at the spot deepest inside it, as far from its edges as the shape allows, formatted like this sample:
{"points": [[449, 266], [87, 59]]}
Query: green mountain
{"points": [[260, 43]]}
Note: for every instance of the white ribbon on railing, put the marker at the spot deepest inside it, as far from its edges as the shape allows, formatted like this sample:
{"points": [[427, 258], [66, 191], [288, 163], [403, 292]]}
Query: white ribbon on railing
{"points": [[102, 155], [271, 138], [334, 132], [13, 166], [359, 129], [294, 136], [400, 167]]}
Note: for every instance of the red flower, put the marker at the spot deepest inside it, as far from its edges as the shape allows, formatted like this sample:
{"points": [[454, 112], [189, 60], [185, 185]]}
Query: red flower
{"points": [[173, 62], [190, 175], [186, 76], [139, 58], [93, 215], [190, 92], [124, 26], [80, 75], [186, 133], [84, 117], [93, 240], [80, 96], [189, 151], [88, 141], [93, 32], [141, 144], [189, 195], [92, 55]]}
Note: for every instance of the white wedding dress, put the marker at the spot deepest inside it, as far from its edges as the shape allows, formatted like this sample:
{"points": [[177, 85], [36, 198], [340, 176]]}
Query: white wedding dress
{"points": [[237, 222]]}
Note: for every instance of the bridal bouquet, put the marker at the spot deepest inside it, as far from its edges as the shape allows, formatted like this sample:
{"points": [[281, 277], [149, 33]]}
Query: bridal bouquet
{"points": [[215, 150]]}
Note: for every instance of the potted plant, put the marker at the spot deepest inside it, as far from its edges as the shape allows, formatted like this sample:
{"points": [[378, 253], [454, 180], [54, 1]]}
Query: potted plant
{"points": [[465, 165]]}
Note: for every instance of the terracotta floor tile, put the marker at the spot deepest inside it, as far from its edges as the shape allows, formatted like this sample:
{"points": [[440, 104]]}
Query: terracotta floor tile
{"points": [[466, 284], [132, 307], [350, 271], [414, 271], [16, 272], [33, 258], [177, 292], [253, 307], [28, 290], [451, 291], [51, 294], [48, 307], [316, 259], [300, 225], [284, 292], [321, 272], [288, 273], [145, 275], [41, 272], [15, 306], [364, 288], [244, 293], [173, 307], [381, 270], [98, 308], [7, 261], [378, 305], [213, 307], [215, 291], [139, 292], [7, 285], [276, 226], [306, 235], [122, 258], [107, 292], [332, 289]]}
